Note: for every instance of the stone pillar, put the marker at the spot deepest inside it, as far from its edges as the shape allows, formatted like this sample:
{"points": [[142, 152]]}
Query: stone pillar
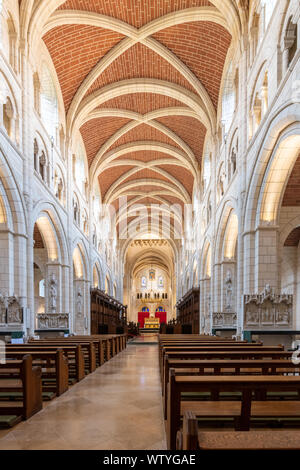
{"points": [[266, 258]]}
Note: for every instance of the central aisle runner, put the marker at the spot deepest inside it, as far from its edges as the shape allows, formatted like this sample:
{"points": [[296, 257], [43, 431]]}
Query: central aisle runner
{"points": [[117, 407]]}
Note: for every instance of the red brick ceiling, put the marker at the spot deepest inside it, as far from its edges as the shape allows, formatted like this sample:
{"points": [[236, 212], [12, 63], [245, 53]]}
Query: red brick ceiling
{"points": [[111, 174], [144, 132], [202, 47], [77, 49], [135, 12], [139, 62], [97, 131], [190, 130], [147, 174], [38, 240], [293, 238], [142, 103], [292, 192], [145, 156]]}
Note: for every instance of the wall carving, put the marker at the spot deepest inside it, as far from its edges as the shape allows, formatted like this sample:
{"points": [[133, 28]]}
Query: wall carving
{"points": [[268, 310], [224, 320], [52, 321], [11, 310]]}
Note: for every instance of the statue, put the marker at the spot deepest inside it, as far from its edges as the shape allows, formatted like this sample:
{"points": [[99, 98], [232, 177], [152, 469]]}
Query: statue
{"points": [[14, 310], [228, 284], [79, 302], [53, 294], [2, 309]]}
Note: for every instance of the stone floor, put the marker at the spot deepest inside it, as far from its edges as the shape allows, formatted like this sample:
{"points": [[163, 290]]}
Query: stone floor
{"points": [[118, 407]]}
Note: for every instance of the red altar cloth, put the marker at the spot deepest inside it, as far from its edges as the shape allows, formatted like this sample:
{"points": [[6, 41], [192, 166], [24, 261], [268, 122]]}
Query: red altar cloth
{"points": [[142, 315], [162, 316], [141, 318]]}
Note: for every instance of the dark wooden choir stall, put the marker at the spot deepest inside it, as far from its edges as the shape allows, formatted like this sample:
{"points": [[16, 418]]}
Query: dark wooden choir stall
{"points": [[108, 316]]}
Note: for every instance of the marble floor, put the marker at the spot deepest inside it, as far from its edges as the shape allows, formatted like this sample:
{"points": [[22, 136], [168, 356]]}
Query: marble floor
{"points": [[118, 407]]}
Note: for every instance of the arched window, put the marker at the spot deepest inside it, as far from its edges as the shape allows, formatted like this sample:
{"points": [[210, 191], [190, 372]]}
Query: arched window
{"points": [[206, 168], [269, 8], [259, 102], [49, 103], [35, 155], [59, 187], [221, 183], [290, 43], [42, 288], [79, 169], [85, 223], [37, 93], [254, 36], [208, 211], [13, 49], [76, 210], [228, 99], [233, 159], [8, 115], [43, 167]]}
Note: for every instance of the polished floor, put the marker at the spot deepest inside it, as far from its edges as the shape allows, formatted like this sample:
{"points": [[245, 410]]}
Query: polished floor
{"points": [[118, 407]]}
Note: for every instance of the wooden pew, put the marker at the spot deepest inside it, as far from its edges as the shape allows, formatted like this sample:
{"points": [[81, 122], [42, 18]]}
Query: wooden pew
{"points": [[26, 379], [223, 353], [226, 367], [195, 336], [191, 438], [241, 412], [101, 346], [87, 348], [54, 365], [73, 353]]}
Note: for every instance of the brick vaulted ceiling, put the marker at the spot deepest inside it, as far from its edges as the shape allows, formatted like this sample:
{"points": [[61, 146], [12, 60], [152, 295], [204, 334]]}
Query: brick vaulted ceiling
{"points": [[148, 73]]}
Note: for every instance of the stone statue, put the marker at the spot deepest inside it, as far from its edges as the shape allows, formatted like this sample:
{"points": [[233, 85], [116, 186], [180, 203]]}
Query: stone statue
{"points": [[14, 310], [228, 292], [79, 302], [2, 310], [52, 294]]}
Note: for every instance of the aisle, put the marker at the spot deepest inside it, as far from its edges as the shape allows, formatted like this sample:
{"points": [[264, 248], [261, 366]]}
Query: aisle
{"points": [[116, 407]]}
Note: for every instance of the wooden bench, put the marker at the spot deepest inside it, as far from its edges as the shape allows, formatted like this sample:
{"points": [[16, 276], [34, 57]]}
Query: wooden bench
{"points": [[87, 348], [190, 438], [226, 367], [241, 412], [223, 353], [73, 353], [25, 380], [54, 366]]}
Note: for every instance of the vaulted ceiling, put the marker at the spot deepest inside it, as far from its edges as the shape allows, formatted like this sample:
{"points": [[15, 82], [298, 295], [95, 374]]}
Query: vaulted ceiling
{"points": [[140, 80]]}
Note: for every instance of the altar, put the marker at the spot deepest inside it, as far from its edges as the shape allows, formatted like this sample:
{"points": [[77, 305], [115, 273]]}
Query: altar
{"points": [[159, 318], [152, 323]]}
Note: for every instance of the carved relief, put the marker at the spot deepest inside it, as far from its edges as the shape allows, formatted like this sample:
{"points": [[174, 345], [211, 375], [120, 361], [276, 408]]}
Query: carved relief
{"points": [[268, 310], [224, 320], [14, 310], [48, 321]]}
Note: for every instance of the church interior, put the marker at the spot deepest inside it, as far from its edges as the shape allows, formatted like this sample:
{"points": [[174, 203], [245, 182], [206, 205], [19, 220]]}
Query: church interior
{"points": [[149, 224]]}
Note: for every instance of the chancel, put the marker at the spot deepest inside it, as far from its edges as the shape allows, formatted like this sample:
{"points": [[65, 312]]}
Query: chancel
{"points": [[149, 225]]}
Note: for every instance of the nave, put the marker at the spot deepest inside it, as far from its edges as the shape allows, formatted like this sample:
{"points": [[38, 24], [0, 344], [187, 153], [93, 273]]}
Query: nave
{"points": [[117, 407]]}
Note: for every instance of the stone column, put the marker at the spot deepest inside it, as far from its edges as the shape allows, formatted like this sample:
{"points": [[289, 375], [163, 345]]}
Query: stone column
{"points": [[266, 258]]}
